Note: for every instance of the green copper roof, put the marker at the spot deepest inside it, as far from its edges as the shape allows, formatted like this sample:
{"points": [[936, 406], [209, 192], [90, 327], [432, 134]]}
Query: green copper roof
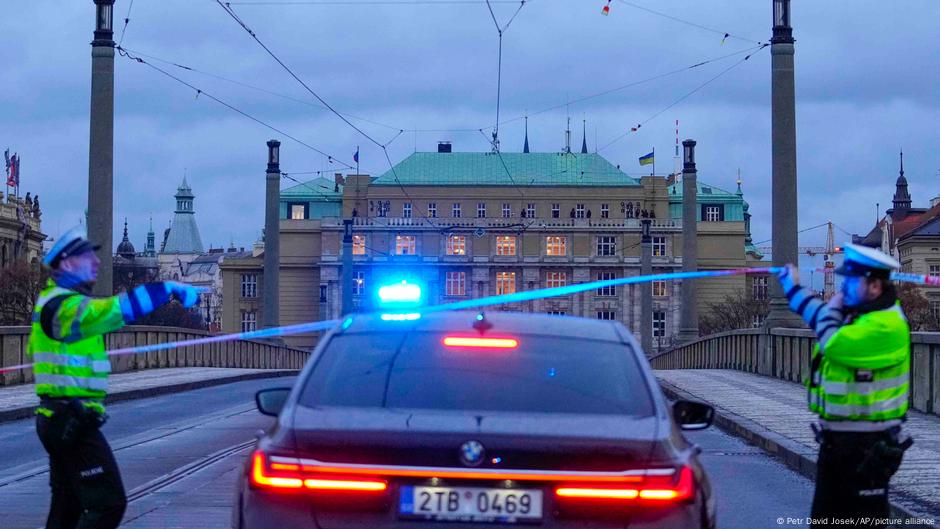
{"points": [[704, 191], [485, 168], [318, 187]]}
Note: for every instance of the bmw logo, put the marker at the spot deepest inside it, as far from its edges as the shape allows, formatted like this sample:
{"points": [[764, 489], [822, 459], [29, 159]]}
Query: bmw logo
{"points": [[471, 453]]}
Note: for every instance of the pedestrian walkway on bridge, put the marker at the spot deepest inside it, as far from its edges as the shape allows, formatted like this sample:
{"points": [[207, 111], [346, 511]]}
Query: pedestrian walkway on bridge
{"points": [[772, 414]]}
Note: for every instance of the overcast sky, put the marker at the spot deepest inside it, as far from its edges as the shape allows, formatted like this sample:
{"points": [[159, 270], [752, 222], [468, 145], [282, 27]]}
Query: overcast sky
{"points": [[867, 82]]}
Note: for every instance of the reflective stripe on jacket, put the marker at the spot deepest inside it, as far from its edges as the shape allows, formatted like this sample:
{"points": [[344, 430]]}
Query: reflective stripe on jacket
{"points": [[863, 372]]}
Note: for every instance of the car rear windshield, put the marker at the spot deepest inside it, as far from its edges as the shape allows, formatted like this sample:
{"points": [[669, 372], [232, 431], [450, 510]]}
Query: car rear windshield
{"points": [[542, 374]]}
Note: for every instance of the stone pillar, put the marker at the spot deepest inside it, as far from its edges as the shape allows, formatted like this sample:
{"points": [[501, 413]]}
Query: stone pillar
{"points": [[101, 145], [785, 245], [646, 289], [272, 243], [688, 327], [347, 275]]}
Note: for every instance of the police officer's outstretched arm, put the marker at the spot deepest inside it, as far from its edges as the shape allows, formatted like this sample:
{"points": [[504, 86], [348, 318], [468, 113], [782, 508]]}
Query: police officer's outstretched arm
{"points": [[824, 318]]}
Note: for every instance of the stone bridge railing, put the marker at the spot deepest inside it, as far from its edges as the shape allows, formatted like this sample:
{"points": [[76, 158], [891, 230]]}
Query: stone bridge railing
{"points": [[238, 353], [785, 354]]}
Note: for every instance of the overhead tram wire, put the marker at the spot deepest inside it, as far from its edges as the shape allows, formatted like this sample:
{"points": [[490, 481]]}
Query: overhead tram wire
{"points": [[365, 3], [127, 20], [228, 9], [681, 99], [124, 53], [726, 34]]}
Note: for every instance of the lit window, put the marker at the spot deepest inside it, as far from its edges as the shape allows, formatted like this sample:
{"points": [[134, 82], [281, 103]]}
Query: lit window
{"points": [[456, 210], [456, 245], [608, 315], [659, 289], [605, 211], [298, 211], [759, 287], [659, 246], [505, 283], [432, 209], [406, 210], [456, 284], [249, 321], [579, 211], [507, 211], [659, 323], [405, 244], [359, 283], [481, 210], [757, 320], [556, 245], [249, 285], [556, 210], [359, 244], [609, 290], [712, 213], [556, 279], [606, 245], [505, 245], [530, 211]]}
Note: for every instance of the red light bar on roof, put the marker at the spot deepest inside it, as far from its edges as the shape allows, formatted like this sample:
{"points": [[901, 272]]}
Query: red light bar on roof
{"points": [[474, 341]]}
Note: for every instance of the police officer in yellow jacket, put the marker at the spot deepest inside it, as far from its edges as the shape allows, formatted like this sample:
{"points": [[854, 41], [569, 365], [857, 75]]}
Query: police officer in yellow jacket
{"points": [[858, 384], [71, 370]]}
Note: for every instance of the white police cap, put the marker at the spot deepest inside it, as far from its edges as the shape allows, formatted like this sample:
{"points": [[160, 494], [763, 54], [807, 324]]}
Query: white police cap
{"points": [[867, 262], [73, 242]]}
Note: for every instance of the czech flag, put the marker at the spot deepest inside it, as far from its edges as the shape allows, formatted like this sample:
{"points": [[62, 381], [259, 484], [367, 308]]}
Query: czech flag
{"points": [[646, 159]]}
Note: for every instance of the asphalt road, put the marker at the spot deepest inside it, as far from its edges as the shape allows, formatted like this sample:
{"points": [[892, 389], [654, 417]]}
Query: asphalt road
{"points": [[177, 460]]}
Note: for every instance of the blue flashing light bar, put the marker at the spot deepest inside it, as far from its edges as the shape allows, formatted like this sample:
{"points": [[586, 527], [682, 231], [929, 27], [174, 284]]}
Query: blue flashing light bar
{"points": [[410, 316], [400, 293]]}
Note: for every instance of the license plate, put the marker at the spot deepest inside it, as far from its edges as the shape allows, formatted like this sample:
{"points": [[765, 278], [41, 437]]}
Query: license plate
{"points": [[471, 504]]}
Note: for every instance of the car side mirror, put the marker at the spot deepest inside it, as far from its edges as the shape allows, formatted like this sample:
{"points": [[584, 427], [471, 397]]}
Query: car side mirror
{"points": [[693, 415], [271, 401]]}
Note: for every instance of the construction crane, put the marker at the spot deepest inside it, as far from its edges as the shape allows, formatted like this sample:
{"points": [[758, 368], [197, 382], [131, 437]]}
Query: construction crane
{"points": [[828, 252]]}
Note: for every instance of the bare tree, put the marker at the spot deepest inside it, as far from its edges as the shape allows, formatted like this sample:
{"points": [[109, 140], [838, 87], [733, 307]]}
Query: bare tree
{"points": [[917, 308], [20, 284], [735, 311]]}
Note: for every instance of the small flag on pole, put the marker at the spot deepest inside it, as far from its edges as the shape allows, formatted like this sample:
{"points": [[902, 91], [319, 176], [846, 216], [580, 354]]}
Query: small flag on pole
{"points": [[646, 159], [606, 10], [356, 155], [13, 178]]}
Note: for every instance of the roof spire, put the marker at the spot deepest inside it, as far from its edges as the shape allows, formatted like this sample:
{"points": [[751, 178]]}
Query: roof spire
{"points": [[902, 197], [525, 148], [125, 228], [584, 136]]}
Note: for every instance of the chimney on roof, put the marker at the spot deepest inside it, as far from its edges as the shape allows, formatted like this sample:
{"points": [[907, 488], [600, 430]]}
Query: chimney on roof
{"points": [[443, 146]]}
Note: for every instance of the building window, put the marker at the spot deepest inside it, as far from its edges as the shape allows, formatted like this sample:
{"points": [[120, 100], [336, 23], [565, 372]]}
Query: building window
{"points": [[359, 244], [298, 211], [406, 210], [456, 210], [609, 290], [322, 293], [249, 321], [608, 315], [359, 283], [933, 270], [556, 279], [712, 213], [659, 246], [505, 245], [481, 210], [404, 244], [556, 245], [606, 245], [507, 211], [456, 245], [579, 211], [659, 289], [659, 323], [556, 312], [530, 211], [759, 287], [432, 210], [757, 320], [249, 285], [556, 210], [505, 283], [935, 309], [605, 211], [456, 284]]}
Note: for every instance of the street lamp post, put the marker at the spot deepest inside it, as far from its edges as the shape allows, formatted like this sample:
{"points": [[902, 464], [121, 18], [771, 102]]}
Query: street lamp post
{"points": [[101, 144]]}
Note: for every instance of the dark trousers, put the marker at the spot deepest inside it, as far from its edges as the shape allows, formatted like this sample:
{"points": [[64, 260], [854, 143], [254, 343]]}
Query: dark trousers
{"points": [[87, 491], [843, 489]]}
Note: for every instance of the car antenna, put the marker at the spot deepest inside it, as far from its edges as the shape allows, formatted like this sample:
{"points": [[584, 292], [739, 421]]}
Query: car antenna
{"points": [[481, 324]]}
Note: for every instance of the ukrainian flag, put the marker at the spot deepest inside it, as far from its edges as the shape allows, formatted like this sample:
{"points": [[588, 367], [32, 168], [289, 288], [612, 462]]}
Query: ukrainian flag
{"points": [[647, 159]]}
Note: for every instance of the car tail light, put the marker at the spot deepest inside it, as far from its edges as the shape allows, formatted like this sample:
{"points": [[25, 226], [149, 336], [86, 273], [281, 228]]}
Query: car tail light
{"points": [[653, 489], [473, 341], [277, 475]]}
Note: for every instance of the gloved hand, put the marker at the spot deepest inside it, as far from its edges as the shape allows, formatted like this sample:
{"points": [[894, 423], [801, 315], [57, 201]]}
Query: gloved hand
{"points": [[187, 295], [789, 277]]}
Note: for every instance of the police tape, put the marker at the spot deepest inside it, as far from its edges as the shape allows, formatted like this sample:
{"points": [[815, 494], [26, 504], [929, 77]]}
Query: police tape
{"points": [[500, 299]]}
